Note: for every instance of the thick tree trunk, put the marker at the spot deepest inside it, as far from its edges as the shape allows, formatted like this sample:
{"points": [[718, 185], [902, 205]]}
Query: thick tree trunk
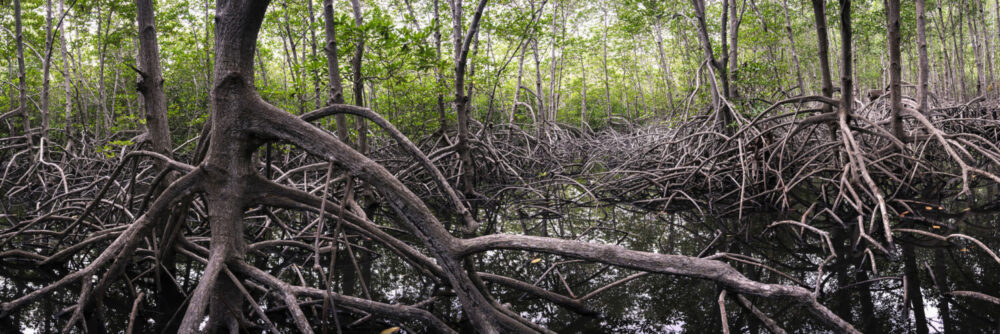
{"points": [[228, 164]]}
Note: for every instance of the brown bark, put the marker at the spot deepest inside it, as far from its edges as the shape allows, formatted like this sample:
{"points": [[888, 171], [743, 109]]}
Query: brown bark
{"points": [[358, 80], [46, 66], [336, 93], [895, 70], [819, 11], [150, 84], [720, 89], [847, 60], [463, 44]]}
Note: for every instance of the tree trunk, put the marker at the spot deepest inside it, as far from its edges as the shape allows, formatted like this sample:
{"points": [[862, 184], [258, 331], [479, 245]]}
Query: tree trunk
{"points": [[150, 84], [664, 65], [977, 49], [463, 44], [895, 70], [583, 93], [847, 60], [553, 61], [359, 83], [604, 62], [819, 10], [988, 49], [735, 19], [312, 48], [46, 66], [924, 67], [336, 95], [517, 86], [720, 89], [442, 118], [791, 47], [957, 42], [949, 70], [66, 78], [22, 95]]}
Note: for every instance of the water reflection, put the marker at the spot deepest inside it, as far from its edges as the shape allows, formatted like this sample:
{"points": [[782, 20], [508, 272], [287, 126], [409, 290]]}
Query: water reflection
{"points": [[649, 304]]}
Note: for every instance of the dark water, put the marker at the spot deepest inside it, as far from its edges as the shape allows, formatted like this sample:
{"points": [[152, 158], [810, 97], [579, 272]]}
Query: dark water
{"points": [[650, 304]]}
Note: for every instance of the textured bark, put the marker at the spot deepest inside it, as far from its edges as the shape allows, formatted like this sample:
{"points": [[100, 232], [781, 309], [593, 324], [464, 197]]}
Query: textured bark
{"points": [[463, 44], [720, 89], [150, 84], [658, 263], [358, 79], [336, 94], [46, 66], [895, 70], [823, 47], [847, 59]]}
